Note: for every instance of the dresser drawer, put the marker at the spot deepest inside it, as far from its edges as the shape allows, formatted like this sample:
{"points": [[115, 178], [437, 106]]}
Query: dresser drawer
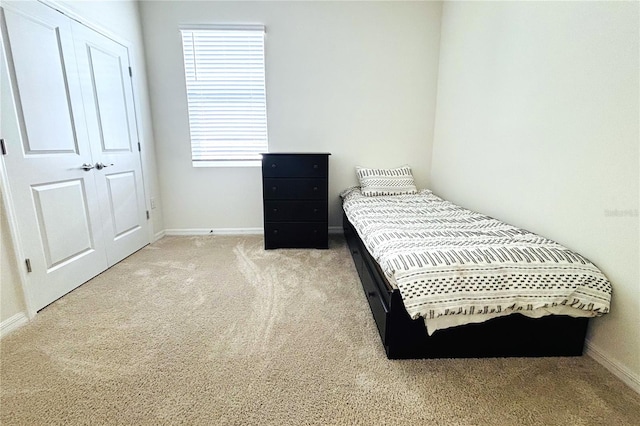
{"points": [[295, 211], [294, 189], [296, 235], [375, 299], [293, 165]]}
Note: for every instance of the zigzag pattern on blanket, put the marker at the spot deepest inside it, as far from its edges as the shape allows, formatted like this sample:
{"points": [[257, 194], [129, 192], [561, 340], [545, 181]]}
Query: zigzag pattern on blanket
{"points": [[447, 260]]}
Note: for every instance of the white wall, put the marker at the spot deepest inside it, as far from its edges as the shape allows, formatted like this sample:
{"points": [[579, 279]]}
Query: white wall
{"points": [[537, 124], [357, 79], [119, 19]]}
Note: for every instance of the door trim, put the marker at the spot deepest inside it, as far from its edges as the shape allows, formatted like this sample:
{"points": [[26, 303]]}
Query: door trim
{"points": [[7, 199], [15, 239]]}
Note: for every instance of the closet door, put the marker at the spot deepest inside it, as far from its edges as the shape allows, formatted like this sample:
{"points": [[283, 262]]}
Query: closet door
{"points": [[54, 197], [103, 65]]}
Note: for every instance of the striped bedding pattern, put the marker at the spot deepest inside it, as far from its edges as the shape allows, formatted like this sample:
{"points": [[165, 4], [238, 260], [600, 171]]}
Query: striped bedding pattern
{"points": [[454, 266], [376, 182]]}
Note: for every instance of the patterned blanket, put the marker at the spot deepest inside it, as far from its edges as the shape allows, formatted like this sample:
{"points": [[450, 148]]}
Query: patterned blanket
{"points": [[454, 266]]}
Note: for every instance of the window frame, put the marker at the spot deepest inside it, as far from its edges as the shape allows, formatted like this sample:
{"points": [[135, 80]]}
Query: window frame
{"points": [[222, 162]]}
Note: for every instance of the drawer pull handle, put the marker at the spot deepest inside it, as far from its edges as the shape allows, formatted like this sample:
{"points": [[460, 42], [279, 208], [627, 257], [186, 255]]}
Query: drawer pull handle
{"points": [[275, 210], [315, 210], [273, 166], [315, 188], [275, 231], [315, 166], [274, 188], [315, 231]]}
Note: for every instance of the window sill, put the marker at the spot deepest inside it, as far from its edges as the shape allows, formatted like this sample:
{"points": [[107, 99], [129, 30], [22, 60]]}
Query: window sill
{"points": [[223, 163]]}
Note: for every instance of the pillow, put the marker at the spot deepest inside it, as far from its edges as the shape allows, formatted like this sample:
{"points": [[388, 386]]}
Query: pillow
{"points": [[374, 182]]}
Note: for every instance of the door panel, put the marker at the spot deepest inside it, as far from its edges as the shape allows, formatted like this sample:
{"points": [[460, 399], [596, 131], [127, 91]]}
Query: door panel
{"points": [[55, 200], [46, 98], [123, 203], [111, 105], [108, 99], [63, 203]]}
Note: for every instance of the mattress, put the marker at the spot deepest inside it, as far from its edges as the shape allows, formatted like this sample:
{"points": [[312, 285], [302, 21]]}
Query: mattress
{"points": [[454, 266]]}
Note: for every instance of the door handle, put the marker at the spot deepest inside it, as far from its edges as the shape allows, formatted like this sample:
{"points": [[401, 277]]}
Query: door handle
{"points": [[86, 167], [101, 166]]}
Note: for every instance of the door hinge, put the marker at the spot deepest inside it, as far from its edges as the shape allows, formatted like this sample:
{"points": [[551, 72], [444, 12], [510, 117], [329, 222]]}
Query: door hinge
{"points": [[130, 72], [28, 262], [148, 215], [3, 147], [139, 147]]}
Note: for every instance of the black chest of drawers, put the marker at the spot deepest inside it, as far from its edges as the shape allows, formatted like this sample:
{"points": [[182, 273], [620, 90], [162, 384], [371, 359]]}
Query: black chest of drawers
{"points": [[295, 200]]}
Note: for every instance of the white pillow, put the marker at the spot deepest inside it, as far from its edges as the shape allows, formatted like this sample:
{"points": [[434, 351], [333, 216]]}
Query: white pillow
{"points": [[374, 182]]}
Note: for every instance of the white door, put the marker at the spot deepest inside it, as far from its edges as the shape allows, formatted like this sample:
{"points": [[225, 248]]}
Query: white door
{"points": [[74, 108], [55, 200], [103, 65]]}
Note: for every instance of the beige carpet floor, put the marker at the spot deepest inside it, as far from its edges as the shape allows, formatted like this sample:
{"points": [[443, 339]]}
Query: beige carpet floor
{"points": [[215, 330]]}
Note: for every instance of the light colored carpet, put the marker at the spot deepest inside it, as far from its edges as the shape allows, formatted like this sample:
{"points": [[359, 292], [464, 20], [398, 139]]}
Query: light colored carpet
{"points": [[214, 330]]}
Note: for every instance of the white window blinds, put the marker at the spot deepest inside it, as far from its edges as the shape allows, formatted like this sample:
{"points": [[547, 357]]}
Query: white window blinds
{"points": [[224, 70]]}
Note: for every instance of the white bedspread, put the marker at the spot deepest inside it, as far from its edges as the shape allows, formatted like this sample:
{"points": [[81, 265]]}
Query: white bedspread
{"points": [[454, 266]]}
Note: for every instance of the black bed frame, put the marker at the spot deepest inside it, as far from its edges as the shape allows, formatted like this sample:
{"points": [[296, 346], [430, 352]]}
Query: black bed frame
{"points": [[510, 336]]}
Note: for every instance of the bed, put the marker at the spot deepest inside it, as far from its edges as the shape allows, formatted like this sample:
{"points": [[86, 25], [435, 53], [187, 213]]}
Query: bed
{"points": [[440, 281]]}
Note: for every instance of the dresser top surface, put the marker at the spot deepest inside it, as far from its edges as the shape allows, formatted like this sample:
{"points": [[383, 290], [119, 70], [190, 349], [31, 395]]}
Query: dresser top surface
{"points": [[295, 153]]}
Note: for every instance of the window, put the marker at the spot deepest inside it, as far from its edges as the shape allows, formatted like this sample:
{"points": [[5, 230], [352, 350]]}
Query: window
{"points": [[224, 70]]}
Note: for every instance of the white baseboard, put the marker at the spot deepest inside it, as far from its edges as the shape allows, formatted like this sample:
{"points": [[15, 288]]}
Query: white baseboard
{"points": [[227, 231], [336, 230], [159, 235], [630, 378], [13, 323], [215, 231]]}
